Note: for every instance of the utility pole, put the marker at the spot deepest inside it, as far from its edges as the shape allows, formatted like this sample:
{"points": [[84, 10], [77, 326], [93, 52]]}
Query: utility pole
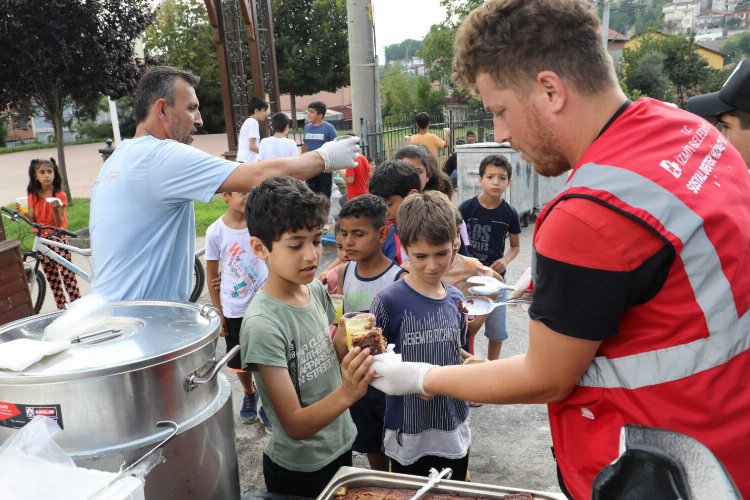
{"points": [[605, 23], [363, 72]]}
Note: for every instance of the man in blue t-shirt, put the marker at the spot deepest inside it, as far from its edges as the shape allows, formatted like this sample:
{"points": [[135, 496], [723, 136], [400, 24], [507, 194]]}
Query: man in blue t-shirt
{"points": [[142, 220], [318, 132]]}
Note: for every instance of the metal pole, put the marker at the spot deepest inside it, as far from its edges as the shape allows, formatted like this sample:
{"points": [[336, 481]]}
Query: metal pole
{"points": [[605, 24], [362, 65]]}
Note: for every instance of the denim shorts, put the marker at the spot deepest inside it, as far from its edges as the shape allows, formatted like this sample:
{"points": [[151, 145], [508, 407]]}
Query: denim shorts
{"points": [[495, 327]]}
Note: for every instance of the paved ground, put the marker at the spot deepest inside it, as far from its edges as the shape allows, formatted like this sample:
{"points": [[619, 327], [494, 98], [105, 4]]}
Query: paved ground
{"points": [[510, 443]]}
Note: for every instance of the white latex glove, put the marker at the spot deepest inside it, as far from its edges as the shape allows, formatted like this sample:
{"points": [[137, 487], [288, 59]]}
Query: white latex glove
{"points": [[399, 379], [338, 155], [523, 286]]}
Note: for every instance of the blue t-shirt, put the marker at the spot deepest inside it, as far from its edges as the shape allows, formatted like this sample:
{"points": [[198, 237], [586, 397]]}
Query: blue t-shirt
{"points": [[142, 220], [317, 135], [488, 229], [432, 331]]}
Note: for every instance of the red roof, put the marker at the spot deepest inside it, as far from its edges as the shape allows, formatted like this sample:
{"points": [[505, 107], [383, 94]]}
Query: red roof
{"points": [[344, 110], [616, 36]]}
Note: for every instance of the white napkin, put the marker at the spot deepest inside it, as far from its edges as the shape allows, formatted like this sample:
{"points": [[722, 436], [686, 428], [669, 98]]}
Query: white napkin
{"points": [[84, 315], [387, 357], [19, 354]]}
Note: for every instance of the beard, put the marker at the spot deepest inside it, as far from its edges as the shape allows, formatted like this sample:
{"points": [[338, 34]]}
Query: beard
{"points": [[179, 134], [547, 159]]}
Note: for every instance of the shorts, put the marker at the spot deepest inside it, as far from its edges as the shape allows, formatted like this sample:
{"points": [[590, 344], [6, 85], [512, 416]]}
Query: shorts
{"points": [[301, 484], [422, 466], [233, 339], [369, 416], [495, 326]]}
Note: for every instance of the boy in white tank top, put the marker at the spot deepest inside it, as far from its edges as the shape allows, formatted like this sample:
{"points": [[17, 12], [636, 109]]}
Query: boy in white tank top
{"points": [[363, 230]]}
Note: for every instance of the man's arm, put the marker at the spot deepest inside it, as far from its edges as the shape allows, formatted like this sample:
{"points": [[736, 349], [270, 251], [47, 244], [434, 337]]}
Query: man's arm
{"points": [[548, 372], [302, 423], [254, 145], [248, 175], [501, 264], [332, 155]]}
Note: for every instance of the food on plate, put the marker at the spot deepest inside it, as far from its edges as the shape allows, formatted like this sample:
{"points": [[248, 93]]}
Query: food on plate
{"points": [[462, 308], [375, 493], [371, 338]]}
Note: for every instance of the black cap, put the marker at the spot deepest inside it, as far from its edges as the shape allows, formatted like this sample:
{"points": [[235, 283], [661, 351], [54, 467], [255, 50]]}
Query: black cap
{"points": [[735, 94]]}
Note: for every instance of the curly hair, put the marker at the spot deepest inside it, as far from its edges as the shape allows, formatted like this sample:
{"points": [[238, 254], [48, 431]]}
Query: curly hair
{"points": [[512, 41], [281, 205]]}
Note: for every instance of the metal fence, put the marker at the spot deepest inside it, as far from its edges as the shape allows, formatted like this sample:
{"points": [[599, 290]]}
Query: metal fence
{"points": [[380, 141]]}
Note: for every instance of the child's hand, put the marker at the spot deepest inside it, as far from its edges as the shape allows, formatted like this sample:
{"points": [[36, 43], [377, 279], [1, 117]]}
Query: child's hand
{"points": [[356, 373], [224, 327], [323, 277], [216, 284], [499, 266]]}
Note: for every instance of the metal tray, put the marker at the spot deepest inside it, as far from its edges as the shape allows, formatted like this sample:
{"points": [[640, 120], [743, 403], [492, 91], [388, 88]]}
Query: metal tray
{"points": [[354, 477]]}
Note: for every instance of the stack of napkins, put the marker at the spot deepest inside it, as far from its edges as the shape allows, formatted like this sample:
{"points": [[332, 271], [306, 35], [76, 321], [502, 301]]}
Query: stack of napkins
{"points": [[19, 354]]}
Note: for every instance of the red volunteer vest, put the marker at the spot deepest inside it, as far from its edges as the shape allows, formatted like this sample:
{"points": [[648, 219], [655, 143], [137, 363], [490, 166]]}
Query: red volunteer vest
{"points": [[680, 361]]}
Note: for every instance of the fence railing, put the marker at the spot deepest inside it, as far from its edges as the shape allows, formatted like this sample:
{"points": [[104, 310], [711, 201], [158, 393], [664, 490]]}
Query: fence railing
{"points": [[380, 141]]}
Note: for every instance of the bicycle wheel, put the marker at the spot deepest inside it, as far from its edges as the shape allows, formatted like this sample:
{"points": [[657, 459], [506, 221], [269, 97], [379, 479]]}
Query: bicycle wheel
{"points": [[199, 279], [37, 288]]}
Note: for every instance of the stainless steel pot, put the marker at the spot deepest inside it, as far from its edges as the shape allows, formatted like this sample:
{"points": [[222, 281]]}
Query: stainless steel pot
{"points": [[155, 361]]}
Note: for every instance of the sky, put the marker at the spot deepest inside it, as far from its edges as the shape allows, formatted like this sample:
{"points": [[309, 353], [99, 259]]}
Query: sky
{"points": [[397, 20]]}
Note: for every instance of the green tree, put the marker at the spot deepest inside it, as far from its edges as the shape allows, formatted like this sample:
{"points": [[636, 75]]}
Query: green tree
{"points": [[688, 72], [737, 47], [646, 75], [438, 43], [65, 51], [403, 50], [312, 46], [402, 93], [181, 36]]}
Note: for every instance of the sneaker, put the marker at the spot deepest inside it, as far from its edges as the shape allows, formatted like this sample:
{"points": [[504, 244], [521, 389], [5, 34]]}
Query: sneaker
{"points": [[249, 411], [264, 420]]}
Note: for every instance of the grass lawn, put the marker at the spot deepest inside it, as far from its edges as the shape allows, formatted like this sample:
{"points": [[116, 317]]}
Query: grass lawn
{"points": [[78, 218]]}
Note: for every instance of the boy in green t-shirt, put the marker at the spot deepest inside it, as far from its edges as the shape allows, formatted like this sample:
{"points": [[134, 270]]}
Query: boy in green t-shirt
{"points": [[285, 339]]}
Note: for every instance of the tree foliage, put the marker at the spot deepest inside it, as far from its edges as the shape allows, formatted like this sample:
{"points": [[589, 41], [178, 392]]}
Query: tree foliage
{"points": [[181, 36], [737, 47], [636, 15], [688, 72], [402, 93], [312, 45], [646, 75], [403, 50], [438, 43], [61, 52]]}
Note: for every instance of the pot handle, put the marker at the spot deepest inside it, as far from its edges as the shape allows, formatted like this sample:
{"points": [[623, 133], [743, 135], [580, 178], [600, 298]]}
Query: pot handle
{"points": [[208, 371]]}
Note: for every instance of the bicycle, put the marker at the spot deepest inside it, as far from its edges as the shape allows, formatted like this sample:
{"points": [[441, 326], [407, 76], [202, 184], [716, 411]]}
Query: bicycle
{"points": [[41, 246]]}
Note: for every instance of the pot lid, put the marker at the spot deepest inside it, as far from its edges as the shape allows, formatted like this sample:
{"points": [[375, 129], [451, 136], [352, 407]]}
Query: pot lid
{"points": [[136, 334]]}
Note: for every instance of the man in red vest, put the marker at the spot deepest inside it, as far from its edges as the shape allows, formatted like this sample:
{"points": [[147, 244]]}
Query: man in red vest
{"points": [[641, 271]]}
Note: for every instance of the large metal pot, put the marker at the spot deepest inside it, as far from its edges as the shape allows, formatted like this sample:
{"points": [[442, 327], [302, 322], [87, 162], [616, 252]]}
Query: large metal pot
{"points": [[155, 361]]}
